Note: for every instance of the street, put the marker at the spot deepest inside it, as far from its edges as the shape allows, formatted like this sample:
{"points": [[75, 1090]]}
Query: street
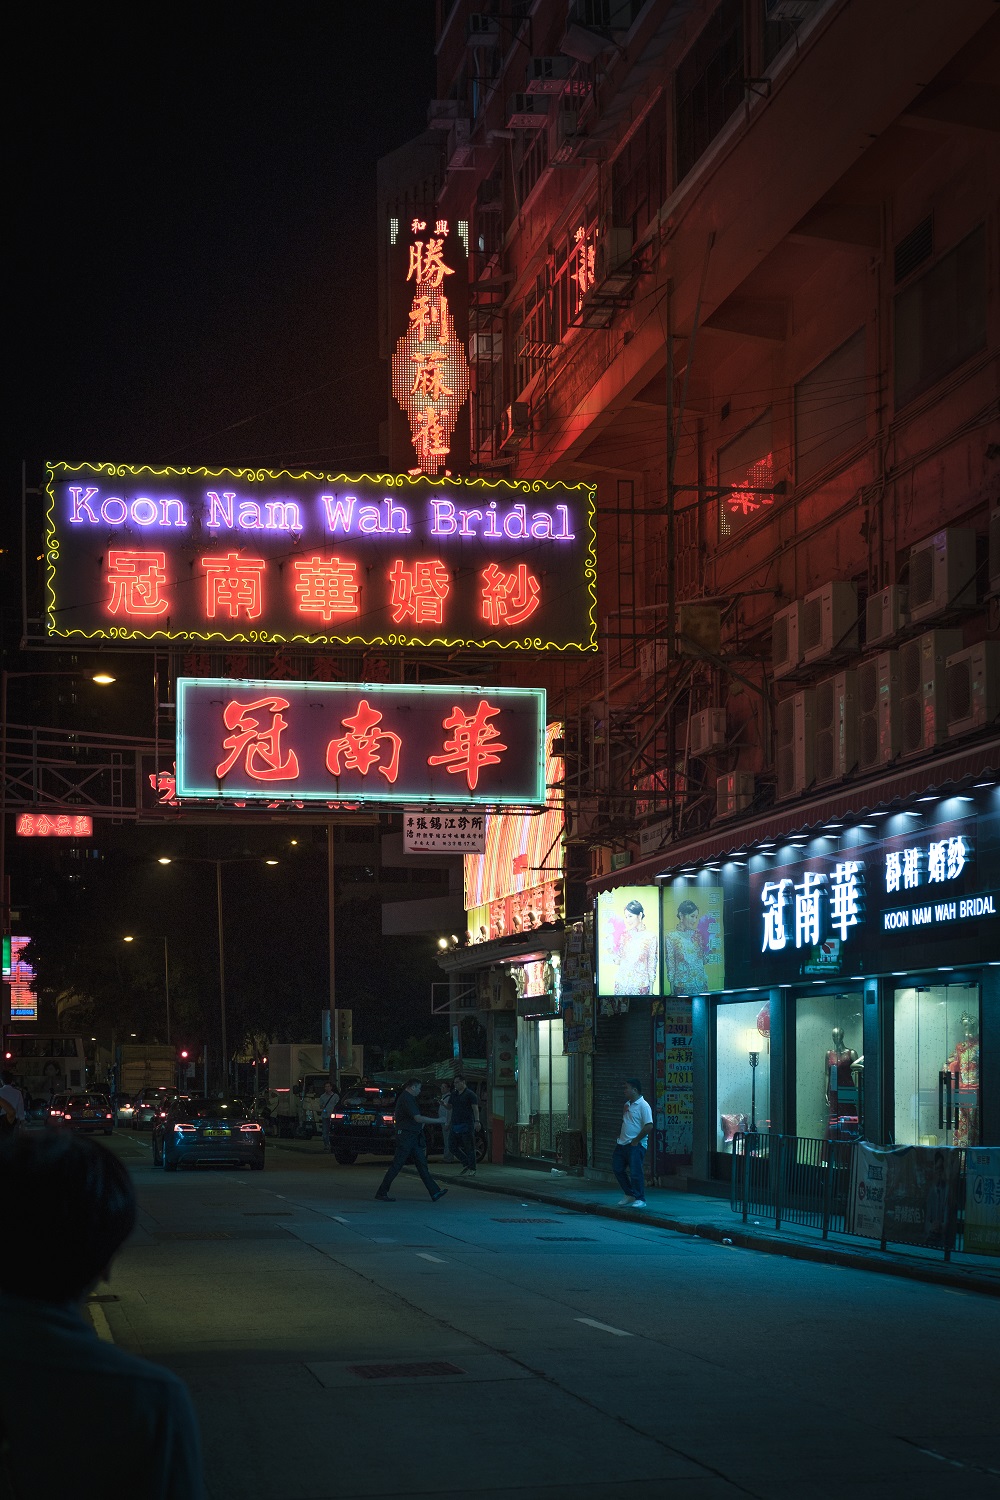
{"points": [[558, 1354]]}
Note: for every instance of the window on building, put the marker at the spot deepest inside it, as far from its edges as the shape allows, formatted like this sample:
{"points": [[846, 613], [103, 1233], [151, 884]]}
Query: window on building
{"points": [[742, 1093], [533, 159], [940, 318], [746, 469], [775, 31], [639, 174], [709, 84], [831, 408], [534, 339], [829, 1066]]}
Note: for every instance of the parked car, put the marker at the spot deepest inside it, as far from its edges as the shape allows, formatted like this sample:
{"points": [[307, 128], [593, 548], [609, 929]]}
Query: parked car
{"points": [[363, 1123], [56, 1107], [88, 1112], [217, 1131], [148, 1105]]}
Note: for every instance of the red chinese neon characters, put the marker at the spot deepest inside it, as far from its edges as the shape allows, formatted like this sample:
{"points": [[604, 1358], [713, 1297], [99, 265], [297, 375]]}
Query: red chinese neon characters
{"points": [[509, 598], [474, 744], [327, 586], [430, 371], [135, 579], [746, 498], [233, 583], [58, 825], [419, 592], [360, 745], [261, 748], [427, 267]]}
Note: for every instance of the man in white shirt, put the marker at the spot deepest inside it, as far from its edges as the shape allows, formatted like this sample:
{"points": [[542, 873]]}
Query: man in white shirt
{"points": [[328, 1101], [627, 1160], [11, 1102]]}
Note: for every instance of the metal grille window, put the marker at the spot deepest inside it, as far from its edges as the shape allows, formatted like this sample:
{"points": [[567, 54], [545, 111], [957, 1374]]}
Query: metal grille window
{"points": [[709, 84], [639, 174], [534, 160], [940, 318]]}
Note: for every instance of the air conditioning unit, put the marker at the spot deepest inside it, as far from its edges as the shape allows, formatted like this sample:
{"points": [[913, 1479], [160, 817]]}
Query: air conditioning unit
{"points": [[460, 154], [734, 793], [995, 551], [566, 135], [653, 659], [878, 710], [828, 624], [795, 743], [942, 574], [707, 731], [613, 261], [600, 862], [922, 715], [836, 754], [482, 30], [547, 75], [514, 426], [786, 652], [972, 687], [886, 614], [527, 111]]}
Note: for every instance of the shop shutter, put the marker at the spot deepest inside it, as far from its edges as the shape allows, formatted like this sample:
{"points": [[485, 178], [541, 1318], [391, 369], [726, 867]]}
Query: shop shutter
{"points": [[623, 1049]]}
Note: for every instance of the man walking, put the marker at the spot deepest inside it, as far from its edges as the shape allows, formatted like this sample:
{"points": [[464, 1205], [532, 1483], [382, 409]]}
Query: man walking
{"points": [[11, 1102], [446, 1122], [410, 1144], [328, 1101], [464, 1125], [626, 1163]]}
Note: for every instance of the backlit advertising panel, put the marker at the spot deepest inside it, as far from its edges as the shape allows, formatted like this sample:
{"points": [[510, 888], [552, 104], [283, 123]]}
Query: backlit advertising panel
{"points": [[246, 741], [215, 555], [628, 941]]}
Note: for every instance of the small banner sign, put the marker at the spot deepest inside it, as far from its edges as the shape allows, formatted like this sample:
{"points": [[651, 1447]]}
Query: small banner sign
{"points": [[443, 831]]}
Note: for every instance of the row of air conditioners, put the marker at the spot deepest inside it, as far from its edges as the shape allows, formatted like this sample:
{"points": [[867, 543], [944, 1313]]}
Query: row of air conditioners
{"points": [[824, 625], [895, 704]]}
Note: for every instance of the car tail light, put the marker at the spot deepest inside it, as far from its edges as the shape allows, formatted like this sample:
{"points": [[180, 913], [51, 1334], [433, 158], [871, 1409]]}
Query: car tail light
{"points": [[67, 1116], [249, 1127], [185, 1129], [388, 1119], [340, 1116], [107, 1117]]}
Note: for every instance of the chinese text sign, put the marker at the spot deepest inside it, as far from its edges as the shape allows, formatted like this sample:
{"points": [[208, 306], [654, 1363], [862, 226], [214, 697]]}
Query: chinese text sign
{"points": [[359, 742], [243, 555]]}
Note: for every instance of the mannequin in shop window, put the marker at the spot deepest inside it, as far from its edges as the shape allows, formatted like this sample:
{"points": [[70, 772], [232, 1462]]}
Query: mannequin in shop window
{"points": [[841, 1084], [963, 1065]]}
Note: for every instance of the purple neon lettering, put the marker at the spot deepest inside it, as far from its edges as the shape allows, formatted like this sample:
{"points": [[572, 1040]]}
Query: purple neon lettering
{"points": [[80, 501], [220, 508], [339, 513]]}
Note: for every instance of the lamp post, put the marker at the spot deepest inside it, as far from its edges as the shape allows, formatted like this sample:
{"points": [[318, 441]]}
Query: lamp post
{"points": [[166, 977], [754, 1060], [192, 859]]}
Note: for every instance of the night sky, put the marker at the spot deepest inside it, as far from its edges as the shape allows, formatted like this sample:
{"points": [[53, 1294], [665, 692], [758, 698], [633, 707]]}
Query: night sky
{"points": [[196, 231]]}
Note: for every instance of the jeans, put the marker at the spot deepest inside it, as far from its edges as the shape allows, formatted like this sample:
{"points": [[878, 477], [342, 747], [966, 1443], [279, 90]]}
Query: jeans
{"points": [[409, 1148], [462, 1143], [626, 1163]]}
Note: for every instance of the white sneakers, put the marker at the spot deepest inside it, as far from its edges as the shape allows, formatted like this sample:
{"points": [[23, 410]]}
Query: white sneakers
{"points": [[639, 1203], [625, 1202]]}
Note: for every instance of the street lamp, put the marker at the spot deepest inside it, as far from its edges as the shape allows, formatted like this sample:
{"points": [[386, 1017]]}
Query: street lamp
{"points": [[166, 975], [191, 859]]}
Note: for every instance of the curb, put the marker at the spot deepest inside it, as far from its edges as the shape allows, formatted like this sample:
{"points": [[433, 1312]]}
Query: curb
{"points": [[823, 1253]]}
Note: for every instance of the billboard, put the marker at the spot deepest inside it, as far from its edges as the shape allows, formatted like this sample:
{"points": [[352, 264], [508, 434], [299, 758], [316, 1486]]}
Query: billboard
{"points": [[216, 555], [628, 941], [693, 940], [21, 977], [245, 741]]}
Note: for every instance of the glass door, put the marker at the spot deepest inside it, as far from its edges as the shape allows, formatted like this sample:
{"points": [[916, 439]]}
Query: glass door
{"points": [[936, 1031], [553, 1084]]}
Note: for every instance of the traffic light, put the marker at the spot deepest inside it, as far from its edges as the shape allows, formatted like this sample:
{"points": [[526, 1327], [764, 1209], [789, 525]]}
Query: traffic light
{"points": [[183, 1055]]}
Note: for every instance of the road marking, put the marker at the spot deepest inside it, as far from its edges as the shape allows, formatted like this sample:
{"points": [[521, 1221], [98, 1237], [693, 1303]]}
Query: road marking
{"points": [[435, 1258], [381, 1240], [620, 1333], [99, 1318], [340, 1219]]}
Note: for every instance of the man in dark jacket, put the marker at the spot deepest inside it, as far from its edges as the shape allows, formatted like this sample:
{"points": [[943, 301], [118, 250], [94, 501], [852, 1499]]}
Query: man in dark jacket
{"points": [[464, 1125], [410, 1144], [69, 1207]]}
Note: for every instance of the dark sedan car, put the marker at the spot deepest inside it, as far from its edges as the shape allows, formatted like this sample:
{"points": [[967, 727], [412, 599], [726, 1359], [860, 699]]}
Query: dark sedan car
{"points": [[149, 1105], [87, 1112], [363, 1124], [220, 1132]]}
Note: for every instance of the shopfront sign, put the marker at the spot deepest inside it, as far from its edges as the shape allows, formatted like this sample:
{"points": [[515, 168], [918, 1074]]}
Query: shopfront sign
{"points": [[41, 825], [141, 553], [443, 831], [241, 741]]}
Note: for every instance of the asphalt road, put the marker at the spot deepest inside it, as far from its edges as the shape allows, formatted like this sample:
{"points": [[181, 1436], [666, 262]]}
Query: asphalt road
{"points": [[563, 1355]]}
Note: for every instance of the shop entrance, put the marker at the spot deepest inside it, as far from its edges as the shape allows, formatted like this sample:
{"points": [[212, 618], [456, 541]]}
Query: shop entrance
{"points": [[542, 1084], [829, 1067], [936, 1031]]}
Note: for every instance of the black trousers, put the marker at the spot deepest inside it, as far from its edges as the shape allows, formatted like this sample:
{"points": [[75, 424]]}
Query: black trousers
{"points": [[463, 1145], [409, 1148]]}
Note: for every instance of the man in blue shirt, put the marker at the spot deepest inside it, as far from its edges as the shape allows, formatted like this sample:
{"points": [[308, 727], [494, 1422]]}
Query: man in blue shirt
{"points": [[410, 1144], [464, 1125], [69, 1207]]}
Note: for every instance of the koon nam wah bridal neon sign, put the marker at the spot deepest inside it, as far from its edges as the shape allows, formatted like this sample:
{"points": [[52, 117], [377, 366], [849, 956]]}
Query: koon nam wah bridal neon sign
{"points": [[391, 560], [359, 742]]}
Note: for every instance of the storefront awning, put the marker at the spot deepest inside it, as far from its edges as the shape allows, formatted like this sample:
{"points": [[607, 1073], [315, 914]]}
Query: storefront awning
{"points": [[949, 772], [518, 947]]}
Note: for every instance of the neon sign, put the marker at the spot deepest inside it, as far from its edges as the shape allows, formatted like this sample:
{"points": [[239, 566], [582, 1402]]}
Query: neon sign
{"points": [[430, 370], [21, 977], [394, 560], [31, 825], [282, 742]]}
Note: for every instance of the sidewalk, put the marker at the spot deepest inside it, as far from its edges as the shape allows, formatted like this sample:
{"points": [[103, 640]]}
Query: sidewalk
{"points": [[713, 1219]]}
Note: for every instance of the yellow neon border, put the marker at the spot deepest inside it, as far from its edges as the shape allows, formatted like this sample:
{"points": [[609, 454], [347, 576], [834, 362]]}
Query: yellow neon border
{"points": [[261, 637]]}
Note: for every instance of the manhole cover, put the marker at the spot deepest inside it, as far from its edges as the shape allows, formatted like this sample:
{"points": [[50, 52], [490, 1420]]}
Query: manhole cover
{"points": [[566, 1239], [524, 1221], [385, 1372]]}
